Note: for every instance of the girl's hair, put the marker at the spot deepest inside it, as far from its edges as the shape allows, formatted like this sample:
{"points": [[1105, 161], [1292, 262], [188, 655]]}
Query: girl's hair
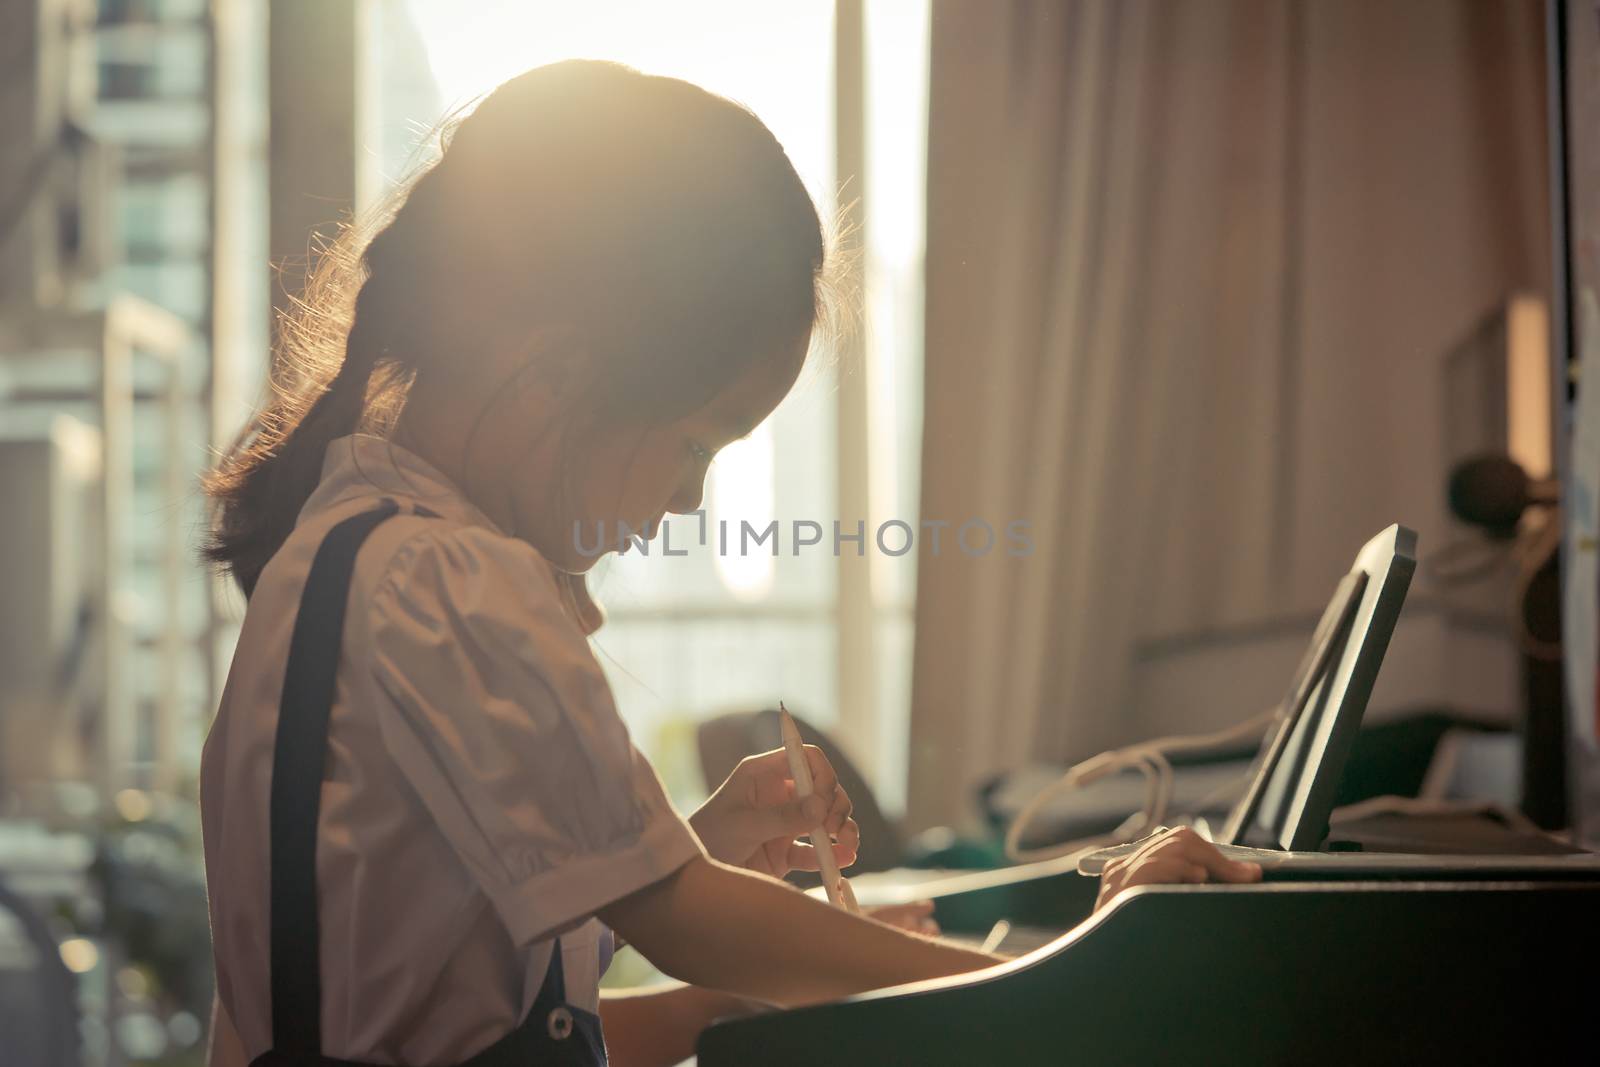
{"points": [[664, 224]]}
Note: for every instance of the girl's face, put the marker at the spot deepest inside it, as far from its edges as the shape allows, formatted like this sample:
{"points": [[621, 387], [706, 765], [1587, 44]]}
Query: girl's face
{"points": [[635, 477], [569, 495]]}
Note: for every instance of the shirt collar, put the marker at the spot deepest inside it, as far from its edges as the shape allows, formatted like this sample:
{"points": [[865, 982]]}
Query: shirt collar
{"points": [[364, 466]]}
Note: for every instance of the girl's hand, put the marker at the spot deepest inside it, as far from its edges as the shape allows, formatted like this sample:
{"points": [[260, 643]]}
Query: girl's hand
{"points": [[1175, 857], [753, 819]]}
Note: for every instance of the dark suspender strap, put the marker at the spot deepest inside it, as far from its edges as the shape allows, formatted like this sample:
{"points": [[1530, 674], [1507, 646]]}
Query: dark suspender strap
{"points": [[297, 767], [551, 1032]]}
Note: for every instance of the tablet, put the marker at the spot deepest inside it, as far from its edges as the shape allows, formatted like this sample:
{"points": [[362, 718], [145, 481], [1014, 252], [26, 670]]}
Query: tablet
{"points": [[1291, 794]]}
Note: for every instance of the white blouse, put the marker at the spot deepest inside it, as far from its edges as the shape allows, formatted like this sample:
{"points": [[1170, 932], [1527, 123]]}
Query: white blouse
{"points": [[481, 794]]}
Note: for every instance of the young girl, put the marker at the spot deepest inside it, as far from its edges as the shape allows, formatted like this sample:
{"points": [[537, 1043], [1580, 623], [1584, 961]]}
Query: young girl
{"points": [[422, 814]]}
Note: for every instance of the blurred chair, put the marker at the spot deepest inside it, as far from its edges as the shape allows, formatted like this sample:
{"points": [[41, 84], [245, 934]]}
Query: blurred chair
{"points": [[727, 739], [38, 999]]}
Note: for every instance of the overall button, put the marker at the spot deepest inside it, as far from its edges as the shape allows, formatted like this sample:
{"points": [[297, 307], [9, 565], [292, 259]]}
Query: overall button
{"points": [[559, 1024]]}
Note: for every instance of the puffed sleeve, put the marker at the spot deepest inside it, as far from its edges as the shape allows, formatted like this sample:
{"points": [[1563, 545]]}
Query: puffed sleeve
{"points": [[495, 710]]}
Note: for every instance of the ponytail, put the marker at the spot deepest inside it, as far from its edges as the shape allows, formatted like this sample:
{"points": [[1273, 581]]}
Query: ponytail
{"points": [[323, 387]]}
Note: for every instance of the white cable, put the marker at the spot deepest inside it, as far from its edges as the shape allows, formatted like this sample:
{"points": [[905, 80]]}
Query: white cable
{"points": [[1150, 758]]}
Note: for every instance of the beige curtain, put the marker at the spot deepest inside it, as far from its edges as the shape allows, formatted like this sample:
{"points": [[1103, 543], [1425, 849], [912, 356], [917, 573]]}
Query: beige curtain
{"points": [[1192, 272]]}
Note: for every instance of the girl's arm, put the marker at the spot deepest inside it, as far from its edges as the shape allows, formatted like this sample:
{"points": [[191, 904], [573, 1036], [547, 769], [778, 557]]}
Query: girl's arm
{"points": [[659, 1027], [723, 928]]}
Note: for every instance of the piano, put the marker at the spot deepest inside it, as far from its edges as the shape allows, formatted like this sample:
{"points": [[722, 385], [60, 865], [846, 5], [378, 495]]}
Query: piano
{"points": [[1291, 972]]}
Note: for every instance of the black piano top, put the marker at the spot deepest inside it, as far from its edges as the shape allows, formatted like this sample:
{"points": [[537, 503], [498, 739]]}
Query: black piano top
{"points": [[1349, 972]]}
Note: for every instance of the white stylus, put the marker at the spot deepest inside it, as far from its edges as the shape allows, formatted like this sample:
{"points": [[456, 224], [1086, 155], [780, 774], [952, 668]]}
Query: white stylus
{"points": [[800, 771]]}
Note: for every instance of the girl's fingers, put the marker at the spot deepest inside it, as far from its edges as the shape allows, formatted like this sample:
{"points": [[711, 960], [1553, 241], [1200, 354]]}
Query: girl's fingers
{"points": [[1190, 847], [1200, 851], [840, 810], [774, 759], [823, 779], [765, 764], [1234, 871], [1160, 844], [782, 820], [1179, 857], [847, 842], [803, 857], [1165, 871], [770, 773], [764, 779], [825, 783]]}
